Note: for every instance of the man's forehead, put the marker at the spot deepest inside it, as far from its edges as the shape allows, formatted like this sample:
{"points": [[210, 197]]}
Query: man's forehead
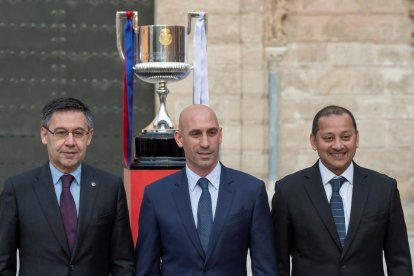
{"points": [[68, 117], [201, 129], [337, 131]]}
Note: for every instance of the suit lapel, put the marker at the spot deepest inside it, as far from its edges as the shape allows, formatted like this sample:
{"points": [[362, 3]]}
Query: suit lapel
{"points": [[181, 197], [88, 193], [359, 198], [317, 195], [224, 201], [45, 193]]}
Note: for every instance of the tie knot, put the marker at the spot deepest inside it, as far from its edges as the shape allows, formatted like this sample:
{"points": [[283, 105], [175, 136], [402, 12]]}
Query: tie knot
{"points": [[203, 183], [67, 179], [337, 183]]}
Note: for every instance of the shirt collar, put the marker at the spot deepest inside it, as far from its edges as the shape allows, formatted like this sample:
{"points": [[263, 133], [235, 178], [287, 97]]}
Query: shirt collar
{"points": [[327, 175], [213, 177], [56, 174]]}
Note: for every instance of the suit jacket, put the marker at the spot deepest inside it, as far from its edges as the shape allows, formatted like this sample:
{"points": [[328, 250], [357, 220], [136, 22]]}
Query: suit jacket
{"points": [[31, 222], [306, 230], [168, 243]]}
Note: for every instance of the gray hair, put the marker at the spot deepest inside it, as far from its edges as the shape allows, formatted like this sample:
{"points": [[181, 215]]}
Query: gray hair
{"points": [[65, 104]]}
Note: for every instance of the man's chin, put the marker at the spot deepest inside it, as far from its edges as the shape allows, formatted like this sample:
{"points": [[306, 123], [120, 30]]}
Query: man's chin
{"points": [[70, 164]]}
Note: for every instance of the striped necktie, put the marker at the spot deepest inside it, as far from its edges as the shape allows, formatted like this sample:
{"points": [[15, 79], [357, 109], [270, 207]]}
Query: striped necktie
{"points": [[337, 208]]}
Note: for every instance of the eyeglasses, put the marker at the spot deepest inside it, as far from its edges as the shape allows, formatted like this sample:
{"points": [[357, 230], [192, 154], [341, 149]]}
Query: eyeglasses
{"points": [[63, 133]]}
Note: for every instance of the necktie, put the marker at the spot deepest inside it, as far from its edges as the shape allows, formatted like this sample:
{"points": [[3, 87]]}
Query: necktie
{"points": [[68, 210], [204, 214], [337, 208]]}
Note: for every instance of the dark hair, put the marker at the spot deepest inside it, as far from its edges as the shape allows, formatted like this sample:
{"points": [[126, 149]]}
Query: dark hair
{"points": [[65, 104], [330, 110]]}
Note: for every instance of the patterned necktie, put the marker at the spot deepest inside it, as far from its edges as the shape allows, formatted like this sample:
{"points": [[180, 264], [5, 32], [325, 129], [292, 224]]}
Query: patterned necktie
{"points": [[204, 214], [68, 210], [337, 208]]}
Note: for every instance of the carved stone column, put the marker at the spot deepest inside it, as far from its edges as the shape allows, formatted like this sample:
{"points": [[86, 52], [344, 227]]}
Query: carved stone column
{"points": [[273, 55], [411, 14], [276, 40], [276, 12]]}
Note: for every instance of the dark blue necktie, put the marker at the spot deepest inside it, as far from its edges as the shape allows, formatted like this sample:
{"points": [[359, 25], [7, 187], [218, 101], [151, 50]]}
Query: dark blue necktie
{"points": [[337, 208], [68, 210], [204, 214]]}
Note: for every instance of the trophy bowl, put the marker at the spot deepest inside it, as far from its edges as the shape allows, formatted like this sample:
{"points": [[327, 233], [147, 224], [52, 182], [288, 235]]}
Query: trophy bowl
{"points": [[155, 72]]}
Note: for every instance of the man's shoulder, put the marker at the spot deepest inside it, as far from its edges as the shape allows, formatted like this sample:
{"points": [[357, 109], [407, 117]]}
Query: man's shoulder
{"points": [[373, 175], [244, 181], [28, 175], [295, 181], [236, 174], [98, 172], [294, 177], [20, 182], [166, 181]]}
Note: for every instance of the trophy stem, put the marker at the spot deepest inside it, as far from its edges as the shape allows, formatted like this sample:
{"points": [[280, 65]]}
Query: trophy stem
{"points": [[162, 122]]}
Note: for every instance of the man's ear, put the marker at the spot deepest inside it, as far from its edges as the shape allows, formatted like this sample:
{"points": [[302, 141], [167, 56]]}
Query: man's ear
{"points": [[221, 136], [312, 141], [178, 138], [43, 134], [90, 135]]}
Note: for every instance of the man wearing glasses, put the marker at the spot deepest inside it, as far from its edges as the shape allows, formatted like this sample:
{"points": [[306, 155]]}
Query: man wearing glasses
{"points": [[65, 217]]}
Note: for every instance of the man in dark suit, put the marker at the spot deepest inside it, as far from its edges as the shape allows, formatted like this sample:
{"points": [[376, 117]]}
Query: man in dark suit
{"points": [[337, 218], [202, 220], [65, 217]]}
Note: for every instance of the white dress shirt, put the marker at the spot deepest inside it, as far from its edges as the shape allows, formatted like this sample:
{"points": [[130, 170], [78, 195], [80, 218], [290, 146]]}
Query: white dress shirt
{"points": [[346, 189]]}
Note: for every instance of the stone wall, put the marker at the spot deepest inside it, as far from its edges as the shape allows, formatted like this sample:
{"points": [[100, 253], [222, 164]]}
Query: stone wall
{"points": [[237, 76], [354, 53]]}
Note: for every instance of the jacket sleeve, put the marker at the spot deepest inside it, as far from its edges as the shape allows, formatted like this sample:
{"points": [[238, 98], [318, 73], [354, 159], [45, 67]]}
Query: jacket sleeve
{"points": [[8, 229], [122, 246], [283, 230], [396, 247], [148, 248], [262, 245]]}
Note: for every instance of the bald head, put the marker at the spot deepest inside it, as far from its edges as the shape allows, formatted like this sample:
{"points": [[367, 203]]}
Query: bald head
{"points": [[199, 134], [195, 111]]}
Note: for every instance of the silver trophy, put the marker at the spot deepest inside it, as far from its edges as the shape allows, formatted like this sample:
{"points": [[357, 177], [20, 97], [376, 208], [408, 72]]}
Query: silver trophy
{"points": [[161, 57]]}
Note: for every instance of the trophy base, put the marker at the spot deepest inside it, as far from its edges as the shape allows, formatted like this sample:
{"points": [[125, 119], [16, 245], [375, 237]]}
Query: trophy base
{"points": [[156, 150]]}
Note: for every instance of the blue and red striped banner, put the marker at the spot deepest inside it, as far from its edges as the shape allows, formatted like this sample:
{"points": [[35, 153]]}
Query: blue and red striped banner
{"points": [[128, 88]]}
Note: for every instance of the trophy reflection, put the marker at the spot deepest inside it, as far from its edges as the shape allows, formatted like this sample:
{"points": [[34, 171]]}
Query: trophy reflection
{"points": [[160, 57]]}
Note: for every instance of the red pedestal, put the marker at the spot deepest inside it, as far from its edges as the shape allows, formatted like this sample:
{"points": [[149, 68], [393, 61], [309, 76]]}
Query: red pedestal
{"points": [[135, 182]]}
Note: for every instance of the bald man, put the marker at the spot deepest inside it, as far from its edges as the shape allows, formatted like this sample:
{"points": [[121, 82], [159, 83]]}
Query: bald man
{"points": [[203, 219]]}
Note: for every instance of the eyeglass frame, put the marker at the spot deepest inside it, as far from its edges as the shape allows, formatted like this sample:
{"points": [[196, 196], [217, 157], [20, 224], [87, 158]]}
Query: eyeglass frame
{"points": [[67, 132]]}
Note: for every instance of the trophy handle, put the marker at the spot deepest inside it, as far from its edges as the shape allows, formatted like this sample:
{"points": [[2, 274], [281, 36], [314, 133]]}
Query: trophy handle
{"points": [[119, 32], [192, 15]]}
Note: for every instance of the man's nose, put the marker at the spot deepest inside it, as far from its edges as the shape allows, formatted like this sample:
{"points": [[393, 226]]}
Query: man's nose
{"points": [[69, 140], [204, 140], [337, 143]]}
